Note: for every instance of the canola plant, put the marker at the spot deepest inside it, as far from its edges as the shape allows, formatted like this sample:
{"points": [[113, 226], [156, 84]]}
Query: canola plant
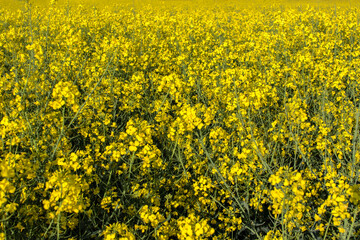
{"points": [[179, 120]]}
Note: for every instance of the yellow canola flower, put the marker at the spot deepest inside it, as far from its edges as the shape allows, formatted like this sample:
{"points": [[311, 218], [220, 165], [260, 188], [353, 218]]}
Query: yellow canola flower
{"points": [[6, 170], [64, 93], [193, 228], [118, 231], [5, 121], [355, 194], [271, 235]]}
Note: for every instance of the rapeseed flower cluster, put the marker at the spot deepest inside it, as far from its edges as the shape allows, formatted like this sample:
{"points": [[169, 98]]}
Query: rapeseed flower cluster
{"points": [[179, 120]]}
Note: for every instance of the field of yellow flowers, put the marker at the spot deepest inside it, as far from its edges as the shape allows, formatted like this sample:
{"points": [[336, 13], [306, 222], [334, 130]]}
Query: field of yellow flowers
{"points": [[180, 120]]}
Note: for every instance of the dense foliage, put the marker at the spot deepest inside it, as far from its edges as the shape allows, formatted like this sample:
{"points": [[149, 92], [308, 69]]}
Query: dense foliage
{"points": [[179, 122]]}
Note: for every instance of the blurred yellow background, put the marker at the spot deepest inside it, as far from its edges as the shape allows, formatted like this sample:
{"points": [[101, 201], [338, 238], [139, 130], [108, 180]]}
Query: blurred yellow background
{"points": [[19, 4]]}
